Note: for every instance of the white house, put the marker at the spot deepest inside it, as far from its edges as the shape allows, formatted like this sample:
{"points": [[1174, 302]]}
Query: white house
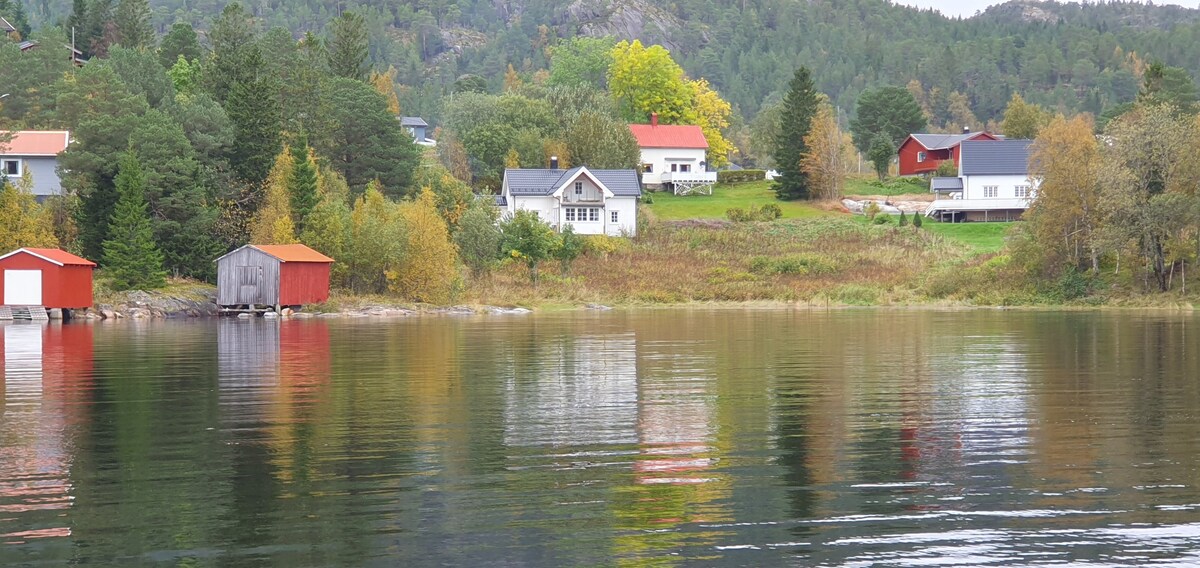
{"points": [[993, 183], [418, 129], [594, 202], [673, 157], [36, 152]]}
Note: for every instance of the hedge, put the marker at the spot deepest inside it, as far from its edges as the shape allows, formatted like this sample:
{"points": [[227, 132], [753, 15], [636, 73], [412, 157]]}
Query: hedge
{"points": [[740, 176]]}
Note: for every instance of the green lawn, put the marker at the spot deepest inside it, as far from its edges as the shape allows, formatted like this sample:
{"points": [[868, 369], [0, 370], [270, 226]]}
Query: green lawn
{"points": [[984, 237], [668, 206], [862, 185]]}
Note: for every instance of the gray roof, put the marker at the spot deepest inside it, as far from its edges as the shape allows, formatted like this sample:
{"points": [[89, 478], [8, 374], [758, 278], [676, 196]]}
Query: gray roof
{"points": [[942, 141], [412, 121], [945, 184], [994, 157], [623, 183], [5, 26]]}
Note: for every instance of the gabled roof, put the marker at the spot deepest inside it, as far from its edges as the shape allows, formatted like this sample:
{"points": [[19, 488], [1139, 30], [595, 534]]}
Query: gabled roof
{"points": [[54, 256], [285, 253], [27, 45], [944, 141], [994, 157], [669, 136], [36, 143], [6, 27], [622, 183], [412, 121]]}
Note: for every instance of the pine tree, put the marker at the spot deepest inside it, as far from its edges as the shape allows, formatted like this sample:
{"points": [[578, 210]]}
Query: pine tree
{"points": [[302, 186], [255, 114], [348, 46], [131, 258], [133, 24], [799, 108]]}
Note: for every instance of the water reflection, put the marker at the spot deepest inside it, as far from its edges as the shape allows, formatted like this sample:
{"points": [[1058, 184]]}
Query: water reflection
{"points": [[857, 438]]}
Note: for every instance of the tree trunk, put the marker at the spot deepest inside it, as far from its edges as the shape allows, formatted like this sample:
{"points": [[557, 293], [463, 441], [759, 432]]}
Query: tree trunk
{"points": [[1160, 268]]}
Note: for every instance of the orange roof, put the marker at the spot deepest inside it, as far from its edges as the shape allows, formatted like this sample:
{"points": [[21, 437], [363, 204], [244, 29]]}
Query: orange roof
{"points": [[56, 256], [293, 253], [669, 136], [36, 143]]}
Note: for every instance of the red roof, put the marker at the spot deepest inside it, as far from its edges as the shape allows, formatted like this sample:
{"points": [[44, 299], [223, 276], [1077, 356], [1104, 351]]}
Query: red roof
{"points": [[36, 143], [56, 256], [293, 253], [669, 136]]}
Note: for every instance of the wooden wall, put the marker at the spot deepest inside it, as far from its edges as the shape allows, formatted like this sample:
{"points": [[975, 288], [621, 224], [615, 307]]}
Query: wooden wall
{"points": [[236, 278]]}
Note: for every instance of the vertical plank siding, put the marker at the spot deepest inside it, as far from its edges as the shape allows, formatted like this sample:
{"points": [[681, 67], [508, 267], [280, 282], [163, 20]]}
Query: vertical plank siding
{"points": [[236, 285]]}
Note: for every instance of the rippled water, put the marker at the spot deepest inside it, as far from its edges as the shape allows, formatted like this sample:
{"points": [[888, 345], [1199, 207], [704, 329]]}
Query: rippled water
{"points": [[671, 437]]}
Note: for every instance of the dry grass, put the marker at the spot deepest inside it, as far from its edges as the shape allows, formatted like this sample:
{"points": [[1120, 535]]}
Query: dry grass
{"points": [[824, 260]]}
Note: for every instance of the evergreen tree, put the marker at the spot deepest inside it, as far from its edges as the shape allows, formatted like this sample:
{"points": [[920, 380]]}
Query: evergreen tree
{"points": [[888, 111], [99, 30], [795, 120], [14, 12], [254, 112], [131, 257], [180, 41], [302, 186], [133, 24], [348, 46], [78, 18]]}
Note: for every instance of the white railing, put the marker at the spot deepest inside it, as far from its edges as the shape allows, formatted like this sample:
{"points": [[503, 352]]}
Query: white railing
{"points": [[689, 177]]}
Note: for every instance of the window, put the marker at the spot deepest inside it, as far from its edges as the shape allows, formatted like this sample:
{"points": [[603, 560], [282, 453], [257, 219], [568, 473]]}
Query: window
{"points": [[648, 168], [921, 156], [674, 167], [685, 167], [613, 215], [570, 213], [578, 188], [593, 214], [991, 191], [1022, 191], [582, 214], [11, 168]]}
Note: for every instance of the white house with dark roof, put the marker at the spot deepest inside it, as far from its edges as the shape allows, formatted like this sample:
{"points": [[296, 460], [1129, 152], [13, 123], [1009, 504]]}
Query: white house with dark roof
{"points": [[418, 129], [593, 202], [993, 183]]}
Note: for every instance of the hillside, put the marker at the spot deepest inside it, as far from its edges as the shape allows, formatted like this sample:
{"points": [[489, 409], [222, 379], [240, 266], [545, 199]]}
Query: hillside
{"points": [[1068, 56]]}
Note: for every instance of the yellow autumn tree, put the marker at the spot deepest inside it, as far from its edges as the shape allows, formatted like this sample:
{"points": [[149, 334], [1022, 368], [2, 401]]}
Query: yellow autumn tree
{"points": [[23, 223], [429, 271], [823, 162], [712, 115], [1065, 216], [385, 84], [512, 81], [272, 224], [377, 240]]}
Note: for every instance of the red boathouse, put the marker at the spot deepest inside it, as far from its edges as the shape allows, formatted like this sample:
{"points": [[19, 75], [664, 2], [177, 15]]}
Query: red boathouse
{"points": [[923, 153], [51, 278], [272, 276]]}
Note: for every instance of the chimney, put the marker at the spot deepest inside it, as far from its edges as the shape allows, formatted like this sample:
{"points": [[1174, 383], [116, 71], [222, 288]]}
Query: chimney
{"points": [[554, 162], [654, 119], [966, 130]]}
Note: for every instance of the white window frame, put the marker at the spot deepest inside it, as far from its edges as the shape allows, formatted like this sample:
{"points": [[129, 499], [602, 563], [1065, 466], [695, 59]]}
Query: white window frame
{"points": [[571, 214], [613, 215], [647, 168], [921, 156], [991, 191], [593, 215], [1022, 191], [578, 188], [685, 168], [674, 167], [4, 168]]}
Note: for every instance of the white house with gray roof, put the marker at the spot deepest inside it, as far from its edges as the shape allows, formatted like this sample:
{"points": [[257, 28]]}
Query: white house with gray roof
{"points": [[418, 129], [993, 183], [594, 202]]}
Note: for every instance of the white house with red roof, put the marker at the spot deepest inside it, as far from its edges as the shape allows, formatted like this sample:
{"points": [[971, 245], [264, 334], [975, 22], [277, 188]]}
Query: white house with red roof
{"points": [[36, 152], [673, 157]]}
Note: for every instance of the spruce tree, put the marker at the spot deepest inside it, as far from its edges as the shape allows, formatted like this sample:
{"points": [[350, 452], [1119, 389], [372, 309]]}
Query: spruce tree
{"points": [[302, 187], [133, 24], [799, 108], [348, 46], [131, 257]]}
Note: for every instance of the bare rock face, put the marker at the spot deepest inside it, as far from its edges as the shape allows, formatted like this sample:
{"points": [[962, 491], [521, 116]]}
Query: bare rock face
{"points": [[625, 19]]}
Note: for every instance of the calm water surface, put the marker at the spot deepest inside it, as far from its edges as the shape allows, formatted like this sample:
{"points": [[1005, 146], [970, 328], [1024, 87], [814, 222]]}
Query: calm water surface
{"points": [[674, 437]]}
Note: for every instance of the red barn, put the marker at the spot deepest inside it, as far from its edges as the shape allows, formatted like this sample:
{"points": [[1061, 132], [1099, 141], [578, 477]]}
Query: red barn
{"points": [[51, 278], [272, 275], [923, 153]]}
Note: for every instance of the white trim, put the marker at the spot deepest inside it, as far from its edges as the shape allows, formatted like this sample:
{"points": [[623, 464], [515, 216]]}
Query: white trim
{"points": [[13, 159], [570, 183], [33, 254]]}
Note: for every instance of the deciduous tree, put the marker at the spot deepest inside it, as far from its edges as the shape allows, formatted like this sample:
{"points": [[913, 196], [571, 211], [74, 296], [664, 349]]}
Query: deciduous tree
{"points": [[526, 238], [272, 223], [23, 223], [1064, 217], [646, 80], [1023, 120], [823, 161], [712, 114], [428, 273], [478, 237]]}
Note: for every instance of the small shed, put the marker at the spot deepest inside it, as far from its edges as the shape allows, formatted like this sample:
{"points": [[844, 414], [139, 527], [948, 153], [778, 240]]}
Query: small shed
{"points": [[272, 275], [50, 278]]}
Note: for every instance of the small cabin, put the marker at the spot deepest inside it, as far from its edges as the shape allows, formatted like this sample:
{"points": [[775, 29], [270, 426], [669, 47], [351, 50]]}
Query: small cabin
{"points": [[257, 277], [48, 278]]}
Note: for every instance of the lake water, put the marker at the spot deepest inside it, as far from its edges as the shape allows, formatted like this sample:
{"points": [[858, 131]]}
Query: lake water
{"points": [[658, 437]]}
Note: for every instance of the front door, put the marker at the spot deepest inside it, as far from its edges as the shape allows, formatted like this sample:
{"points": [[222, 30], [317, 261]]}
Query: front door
{"points": [[249, 278], [23, 287]]}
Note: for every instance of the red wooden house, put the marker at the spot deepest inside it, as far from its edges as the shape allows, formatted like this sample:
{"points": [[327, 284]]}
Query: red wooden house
{"points": [[923, 153], [51, 278], [272, 275]]}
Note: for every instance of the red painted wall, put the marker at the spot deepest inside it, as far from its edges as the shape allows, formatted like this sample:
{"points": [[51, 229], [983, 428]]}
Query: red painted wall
{"points": [[62, 286], [303, 283], [910, 147]]}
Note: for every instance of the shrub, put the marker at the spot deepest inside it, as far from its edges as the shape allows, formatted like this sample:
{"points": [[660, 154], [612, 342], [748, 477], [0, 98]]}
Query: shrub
{"points": [[737, 215], [882, 219], [871, 210], [917, 220], [768, 212], [765, 212], [603, 245], [800, 264], [740, 176], [648, 198], [903, 220]]}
